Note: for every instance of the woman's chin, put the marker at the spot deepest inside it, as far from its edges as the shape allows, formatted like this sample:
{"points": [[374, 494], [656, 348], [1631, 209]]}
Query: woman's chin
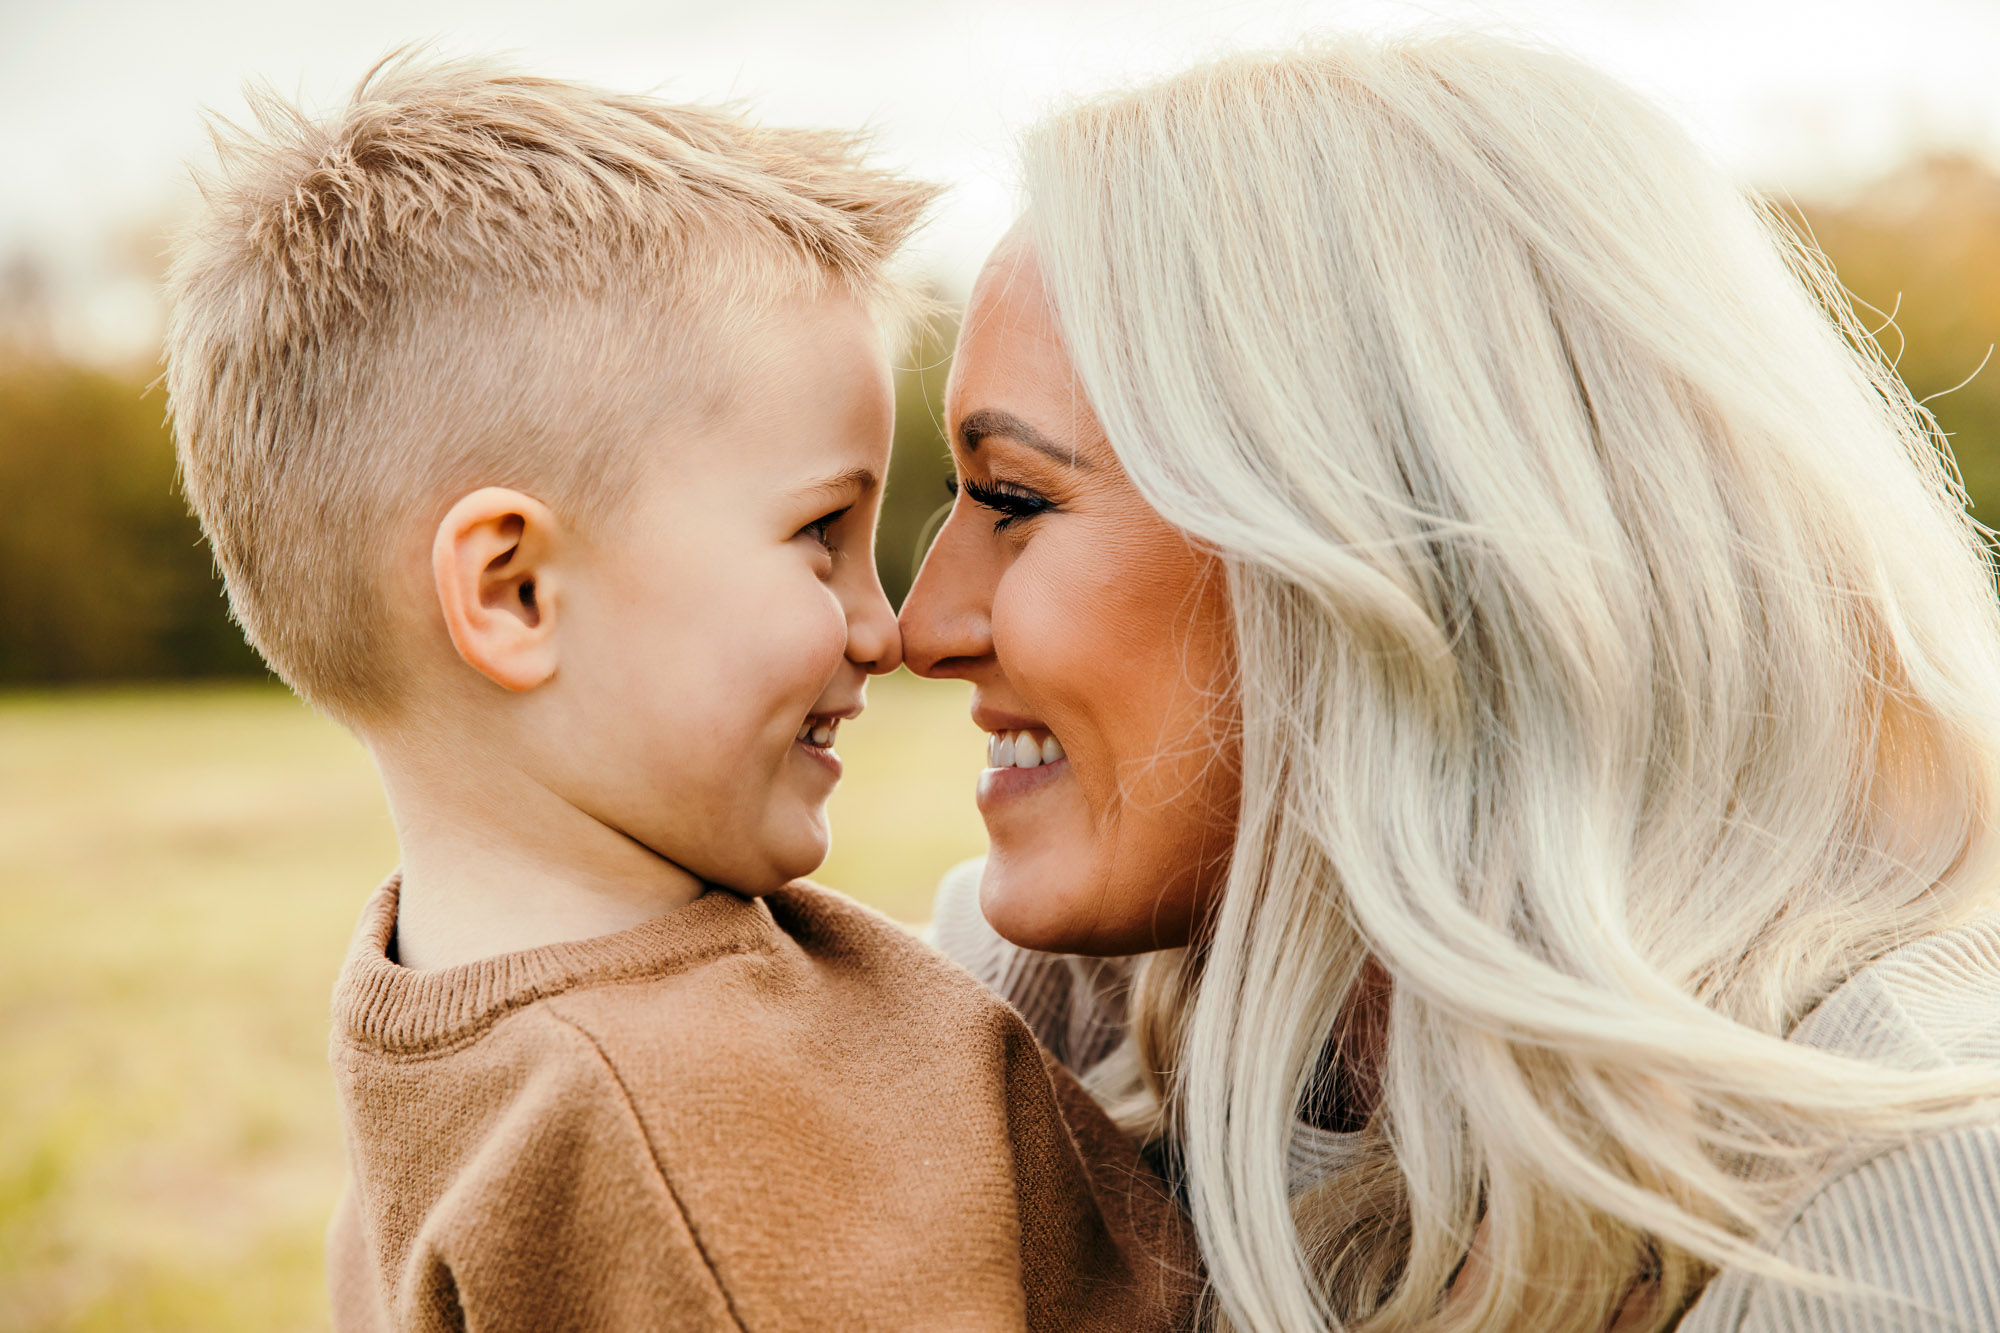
{"points": [[1047, 898], [1028, 910]]}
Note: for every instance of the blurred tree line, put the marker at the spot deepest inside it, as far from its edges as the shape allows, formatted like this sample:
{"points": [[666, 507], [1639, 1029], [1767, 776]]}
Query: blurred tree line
{"points": [[1920, 252], [103, 572], [103, 575]]}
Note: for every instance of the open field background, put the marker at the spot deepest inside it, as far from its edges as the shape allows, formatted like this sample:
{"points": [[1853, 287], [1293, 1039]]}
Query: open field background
{"points": [[179, 870], [180, 864]]}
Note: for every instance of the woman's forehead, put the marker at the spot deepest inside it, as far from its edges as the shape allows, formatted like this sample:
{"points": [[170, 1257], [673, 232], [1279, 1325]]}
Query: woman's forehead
{"points": [[1010, 354], [1008, 296]]}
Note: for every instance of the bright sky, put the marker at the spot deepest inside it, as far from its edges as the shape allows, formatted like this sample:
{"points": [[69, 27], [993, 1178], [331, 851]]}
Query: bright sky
{"points": [[101, 99]]}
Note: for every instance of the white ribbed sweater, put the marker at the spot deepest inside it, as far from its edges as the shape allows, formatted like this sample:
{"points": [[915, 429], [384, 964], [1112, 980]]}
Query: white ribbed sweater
{"points": [[1921, 1222]]}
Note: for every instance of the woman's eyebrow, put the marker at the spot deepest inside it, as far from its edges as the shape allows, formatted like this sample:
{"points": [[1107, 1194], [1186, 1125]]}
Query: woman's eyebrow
{"points": [[976, 426]]}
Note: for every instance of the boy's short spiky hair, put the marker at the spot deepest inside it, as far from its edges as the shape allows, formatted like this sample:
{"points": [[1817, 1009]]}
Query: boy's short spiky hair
{"points": [[468, 277]]}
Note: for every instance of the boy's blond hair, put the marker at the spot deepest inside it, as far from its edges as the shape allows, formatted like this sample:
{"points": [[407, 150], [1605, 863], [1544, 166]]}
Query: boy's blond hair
{"points": [[471, 277]]}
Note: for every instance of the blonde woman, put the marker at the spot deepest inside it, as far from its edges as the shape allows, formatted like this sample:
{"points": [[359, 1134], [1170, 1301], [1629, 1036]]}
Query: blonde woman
{"points": [[1495, 707]]}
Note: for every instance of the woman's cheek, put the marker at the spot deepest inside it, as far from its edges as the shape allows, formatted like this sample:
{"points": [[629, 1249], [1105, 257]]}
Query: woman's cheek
{"points": [[1061, 613], [1051, 658]]}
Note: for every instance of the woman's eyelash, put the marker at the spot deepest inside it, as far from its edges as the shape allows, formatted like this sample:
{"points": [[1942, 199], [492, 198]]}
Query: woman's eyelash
{"points": [[1009, 501]]}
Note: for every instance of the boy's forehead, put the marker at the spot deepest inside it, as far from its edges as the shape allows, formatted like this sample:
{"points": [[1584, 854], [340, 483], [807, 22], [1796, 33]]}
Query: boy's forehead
{"points": [[811, 406]]}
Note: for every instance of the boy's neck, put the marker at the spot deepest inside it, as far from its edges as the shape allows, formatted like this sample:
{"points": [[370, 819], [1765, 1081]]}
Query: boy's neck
{"points": [[476, 886]]}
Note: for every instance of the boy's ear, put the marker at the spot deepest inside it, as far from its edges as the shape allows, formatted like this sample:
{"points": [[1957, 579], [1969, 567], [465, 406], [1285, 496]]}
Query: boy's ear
{"points": [[493, 561]]}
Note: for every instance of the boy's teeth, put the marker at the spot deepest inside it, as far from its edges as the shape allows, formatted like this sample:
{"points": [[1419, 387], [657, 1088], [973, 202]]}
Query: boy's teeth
{"points": [[817, 733], [1020, 749]]}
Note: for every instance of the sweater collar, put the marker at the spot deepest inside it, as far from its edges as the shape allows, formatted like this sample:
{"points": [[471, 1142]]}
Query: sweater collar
{"points": [[380, 1003]]}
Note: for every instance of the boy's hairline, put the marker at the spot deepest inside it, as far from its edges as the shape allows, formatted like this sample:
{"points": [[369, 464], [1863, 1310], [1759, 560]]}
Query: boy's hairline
{"points": [[287, 449]]}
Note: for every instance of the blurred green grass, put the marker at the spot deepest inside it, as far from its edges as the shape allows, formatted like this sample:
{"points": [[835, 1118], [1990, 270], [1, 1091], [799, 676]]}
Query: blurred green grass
{"points": [[179, 870]]}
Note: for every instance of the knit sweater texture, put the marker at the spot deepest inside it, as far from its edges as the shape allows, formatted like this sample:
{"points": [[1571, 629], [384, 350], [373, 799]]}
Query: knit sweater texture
{"points": [[756, 1114]]}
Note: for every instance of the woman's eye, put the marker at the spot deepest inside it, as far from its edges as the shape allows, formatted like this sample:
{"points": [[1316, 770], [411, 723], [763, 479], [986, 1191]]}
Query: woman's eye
{"points": [[1004, 498], [821, 528]]}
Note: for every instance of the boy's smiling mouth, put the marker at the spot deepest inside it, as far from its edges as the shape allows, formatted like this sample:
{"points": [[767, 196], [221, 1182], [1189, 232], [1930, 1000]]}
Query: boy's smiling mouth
{"points": [[815, 741], [817, 731]]}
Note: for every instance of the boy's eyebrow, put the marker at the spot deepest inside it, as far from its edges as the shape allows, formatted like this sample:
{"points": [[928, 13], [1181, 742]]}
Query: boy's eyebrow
{"points": [[977, 425], [838, 483]]}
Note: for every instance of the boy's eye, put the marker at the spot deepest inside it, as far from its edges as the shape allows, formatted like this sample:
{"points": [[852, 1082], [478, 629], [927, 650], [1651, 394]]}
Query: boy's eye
{"points": [[1004, 498], [821, 528]]}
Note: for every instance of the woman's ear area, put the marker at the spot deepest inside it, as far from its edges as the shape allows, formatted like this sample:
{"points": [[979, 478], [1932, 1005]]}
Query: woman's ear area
{"points": [[492, 563]]}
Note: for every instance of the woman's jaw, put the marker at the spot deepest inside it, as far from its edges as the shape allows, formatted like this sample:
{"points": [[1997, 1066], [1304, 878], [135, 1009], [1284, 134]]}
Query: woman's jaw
{"points": [[1089, 853]]}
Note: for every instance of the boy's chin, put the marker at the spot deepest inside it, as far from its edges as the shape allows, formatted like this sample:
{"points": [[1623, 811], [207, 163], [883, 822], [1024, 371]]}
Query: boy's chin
{"points": [[766, 864], [794, 854]]}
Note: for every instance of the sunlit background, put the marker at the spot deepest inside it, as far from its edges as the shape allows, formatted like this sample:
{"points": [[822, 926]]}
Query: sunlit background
{"points": [[183, 847]]}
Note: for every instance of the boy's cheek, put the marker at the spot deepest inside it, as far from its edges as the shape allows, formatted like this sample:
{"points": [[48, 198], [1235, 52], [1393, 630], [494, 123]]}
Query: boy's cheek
{"points": [[804, 645]]}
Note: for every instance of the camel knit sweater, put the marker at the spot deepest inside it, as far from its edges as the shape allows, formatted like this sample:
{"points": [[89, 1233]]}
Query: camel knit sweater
{"points": [[755, 1114]]}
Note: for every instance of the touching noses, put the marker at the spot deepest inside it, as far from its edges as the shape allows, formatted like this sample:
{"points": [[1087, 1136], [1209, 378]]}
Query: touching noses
{"points": [[874, 641]]}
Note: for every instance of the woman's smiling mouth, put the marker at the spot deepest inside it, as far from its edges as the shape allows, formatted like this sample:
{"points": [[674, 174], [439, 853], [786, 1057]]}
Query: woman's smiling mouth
{"points": [[1019, 762], [1022, 749]]}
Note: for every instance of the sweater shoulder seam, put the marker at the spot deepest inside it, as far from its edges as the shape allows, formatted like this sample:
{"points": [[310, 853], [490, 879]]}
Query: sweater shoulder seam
{"points": [[652, 1155]]}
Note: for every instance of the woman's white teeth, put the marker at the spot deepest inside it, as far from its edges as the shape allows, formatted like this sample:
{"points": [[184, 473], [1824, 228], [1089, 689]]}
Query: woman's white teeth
{"points": [[1021, 749], [818, 732]]}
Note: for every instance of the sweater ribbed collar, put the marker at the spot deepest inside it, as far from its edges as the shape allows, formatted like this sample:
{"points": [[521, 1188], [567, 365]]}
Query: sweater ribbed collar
{"points": [[381, 1004]]}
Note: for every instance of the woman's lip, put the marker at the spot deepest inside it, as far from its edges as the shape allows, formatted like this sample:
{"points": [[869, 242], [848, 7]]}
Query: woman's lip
{"points": [[1000, 785], [993, 721]]}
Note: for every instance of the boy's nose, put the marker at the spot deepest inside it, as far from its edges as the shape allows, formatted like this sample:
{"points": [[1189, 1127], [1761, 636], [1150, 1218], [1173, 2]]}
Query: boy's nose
{"points": [[874, 640]]}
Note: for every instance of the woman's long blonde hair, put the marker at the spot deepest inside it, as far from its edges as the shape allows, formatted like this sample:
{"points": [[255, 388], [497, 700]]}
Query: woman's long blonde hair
{"points": [[1618, 668]]}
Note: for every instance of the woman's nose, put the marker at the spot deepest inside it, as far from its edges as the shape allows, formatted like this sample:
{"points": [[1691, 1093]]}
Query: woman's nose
{"points": [[946, 620]]}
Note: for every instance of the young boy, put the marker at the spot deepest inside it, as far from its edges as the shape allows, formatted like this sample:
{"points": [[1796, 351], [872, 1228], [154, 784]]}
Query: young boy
{"points": [[539, 434]]}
